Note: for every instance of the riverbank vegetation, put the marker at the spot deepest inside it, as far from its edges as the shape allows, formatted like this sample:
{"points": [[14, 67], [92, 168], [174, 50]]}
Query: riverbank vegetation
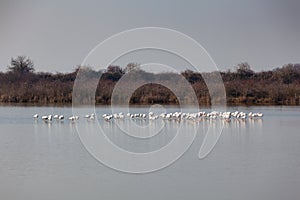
{"points": [[21, 84]]}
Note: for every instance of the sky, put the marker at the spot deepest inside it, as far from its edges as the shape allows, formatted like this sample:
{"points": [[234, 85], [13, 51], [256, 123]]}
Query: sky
{"points": [[57, 35]]}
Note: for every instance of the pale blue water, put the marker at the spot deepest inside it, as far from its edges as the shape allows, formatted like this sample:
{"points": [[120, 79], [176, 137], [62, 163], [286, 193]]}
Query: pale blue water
{"points": [[252, 160]]}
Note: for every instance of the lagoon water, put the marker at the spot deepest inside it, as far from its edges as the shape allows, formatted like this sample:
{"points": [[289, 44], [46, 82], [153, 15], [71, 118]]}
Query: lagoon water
{"points": [[255, 159]]}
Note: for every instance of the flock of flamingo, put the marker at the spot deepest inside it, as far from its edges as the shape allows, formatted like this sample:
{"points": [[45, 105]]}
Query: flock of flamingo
{"points": [[227, 116]]}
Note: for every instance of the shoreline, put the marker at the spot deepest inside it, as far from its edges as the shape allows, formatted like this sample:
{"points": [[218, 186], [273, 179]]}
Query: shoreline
{"points": [[6, 104]]}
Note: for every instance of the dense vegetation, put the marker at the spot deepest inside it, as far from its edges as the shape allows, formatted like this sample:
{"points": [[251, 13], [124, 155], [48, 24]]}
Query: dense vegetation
{"points": [[20, 84]]}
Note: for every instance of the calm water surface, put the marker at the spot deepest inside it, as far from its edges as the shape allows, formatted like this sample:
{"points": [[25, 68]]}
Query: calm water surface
{"points": [[255, 159]]}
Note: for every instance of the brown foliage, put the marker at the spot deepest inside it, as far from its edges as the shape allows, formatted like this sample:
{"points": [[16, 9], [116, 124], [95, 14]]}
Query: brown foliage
{"points": [[280, 86]]}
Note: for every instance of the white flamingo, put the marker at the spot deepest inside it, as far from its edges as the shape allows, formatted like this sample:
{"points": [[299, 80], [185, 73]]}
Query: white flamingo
{"points": [[74, 118]]}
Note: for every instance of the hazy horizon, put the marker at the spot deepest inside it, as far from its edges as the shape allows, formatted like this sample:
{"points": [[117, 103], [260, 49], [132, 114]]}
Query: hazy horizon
{"points": [[58, 35]]}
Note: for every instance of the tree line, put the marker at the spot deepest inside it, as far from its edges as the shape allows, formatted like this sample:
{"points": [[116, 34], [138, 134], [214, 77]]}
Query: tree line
{"points": [[21, 84]]}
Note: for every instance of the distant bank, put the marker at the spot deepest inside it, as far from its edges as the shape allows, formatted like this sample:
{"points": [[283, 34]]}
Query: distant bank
{"points": [[20, 84]]}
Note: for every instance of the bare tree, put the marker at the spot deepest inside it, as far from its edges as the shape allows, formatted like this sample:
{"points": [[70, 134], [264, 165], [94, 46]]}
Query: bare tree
{"points": [[244, 70], [21, 64], [131, 66]]}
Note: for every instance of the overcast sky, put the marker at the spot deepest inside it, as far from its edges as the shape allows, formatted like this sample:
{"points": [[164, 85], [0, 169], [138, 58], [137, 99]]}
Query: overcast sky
{"points": [[57, 35]]}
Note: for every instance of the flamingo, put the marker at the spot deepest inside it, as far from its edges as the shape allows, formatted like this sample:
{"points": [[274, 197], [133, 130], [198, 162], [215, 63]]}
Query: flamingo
{"points": [[45, 117], [108, 117], [73, 118], [260, 114]]}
